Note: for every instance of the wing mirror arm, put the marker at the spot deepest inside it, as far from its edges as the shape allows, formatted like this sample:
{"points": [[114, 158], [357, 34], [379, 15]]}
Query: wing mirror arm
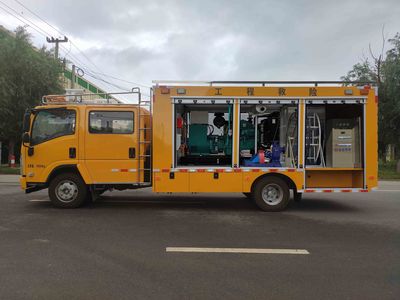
{"points": [[26, 142], [26, 139]]}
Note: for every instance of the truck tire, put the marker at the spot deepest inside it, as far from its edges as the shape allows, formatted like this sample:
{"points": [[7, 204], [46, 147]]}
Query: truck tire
{"points": [[297, 196], [248, 195], [68, 191], [271, 194]]}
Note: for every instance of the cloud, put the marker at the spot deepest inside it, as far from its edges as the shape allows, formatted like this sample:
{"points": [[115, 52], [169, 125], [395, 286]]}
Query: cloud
{"points": [[221, 40]]}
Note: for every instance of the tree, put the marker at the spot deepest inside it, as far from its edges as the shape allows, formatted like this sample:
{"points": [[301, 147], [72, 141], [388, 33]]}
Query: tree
{"points": [[361, 72], [386, 72], [390, 107], [26, 75]]}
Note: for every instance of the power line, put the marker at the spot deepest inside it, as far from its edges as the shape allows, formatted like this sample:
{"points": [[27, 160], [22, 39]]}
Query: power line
{"points": [[122, 80], [67, 52], [72, 43], [45, 32], [35, 27], [33, 13], [24, 22]]}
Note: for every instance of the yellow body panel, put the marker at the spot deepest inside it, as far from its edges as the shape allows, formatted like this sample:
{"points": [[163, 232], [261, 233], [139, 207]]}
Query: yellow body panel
{"points": [[180, 183], [205, 182]]}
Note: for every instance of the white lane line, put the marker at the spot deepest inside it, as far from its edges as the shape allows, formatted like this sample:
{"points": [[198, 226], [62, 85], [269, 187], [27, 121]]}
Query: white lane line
{"points": [[39, 200], [237, 250]]}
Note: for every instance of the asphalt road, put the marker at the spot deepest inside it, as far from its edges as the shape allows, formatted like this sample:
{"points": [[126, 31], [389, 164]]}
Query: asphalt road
{"points": [[116, 248]]}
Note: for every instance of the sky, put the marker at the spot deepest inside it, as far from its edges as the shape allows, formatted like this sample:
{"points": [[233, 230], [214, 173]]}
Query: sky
{"points": [[140, 41]]}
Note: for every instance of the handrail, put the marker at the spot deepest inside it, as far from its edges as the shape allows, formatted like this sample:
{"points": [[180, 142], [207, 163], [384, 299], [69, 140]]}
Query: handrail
{"points": [[79, 98], [264, 83]]}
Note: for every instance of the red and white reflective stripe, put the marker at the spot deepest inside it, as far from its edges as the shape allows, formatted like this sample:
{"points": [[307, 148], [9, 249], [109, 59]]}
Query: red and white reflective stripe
{"points": [[334, 190], [123, 170], [225, 170]]}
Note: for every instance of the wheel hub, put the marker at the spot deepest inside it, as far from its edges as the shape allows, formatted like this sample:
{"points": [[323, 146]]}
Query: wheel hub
{"points": [[66, 191], [272, 194]]}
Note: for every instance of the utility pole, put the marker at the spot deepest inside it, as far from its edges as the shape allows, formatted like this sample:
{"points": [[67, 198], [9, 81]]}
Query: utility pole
{"points": [[56, 41], [73, 77]]}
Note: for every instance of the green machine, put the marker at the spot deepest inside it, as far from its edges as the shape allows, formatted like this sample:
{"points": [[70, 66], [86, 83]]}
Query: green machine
{"points": [[247, 135], [198, 139], [203, 144]]}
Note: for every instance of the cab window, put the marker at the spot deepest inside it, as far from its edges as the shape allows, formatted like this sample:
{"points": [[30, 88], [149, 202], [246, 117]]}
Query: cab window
{"points": [[106, 122], [51, 124]]}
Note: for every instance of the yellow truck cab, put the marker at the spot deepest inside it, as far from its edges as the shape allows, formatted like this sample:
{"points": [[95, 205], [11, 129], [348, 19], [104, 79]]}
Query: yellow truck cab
{"points": [[262, 139]]}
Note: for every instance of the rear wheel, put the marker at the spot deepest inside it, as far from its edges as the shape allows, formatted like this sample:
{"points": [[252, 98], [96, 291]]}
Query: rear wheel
{"points": [[297, 196], [271, 194], [68, 191]]}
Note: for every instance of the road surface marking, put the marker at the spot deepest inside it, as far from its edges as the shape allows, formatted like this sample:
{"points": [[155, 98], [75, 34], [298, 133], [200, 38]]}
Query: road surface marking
{"points": [[237, 250], [39, 200]]}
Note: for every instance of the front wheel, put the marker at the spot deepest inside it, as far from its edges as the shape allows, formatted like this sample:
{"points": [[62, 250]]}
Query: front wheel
{"points": [[248, 195], [271, 194], [68, 191]]}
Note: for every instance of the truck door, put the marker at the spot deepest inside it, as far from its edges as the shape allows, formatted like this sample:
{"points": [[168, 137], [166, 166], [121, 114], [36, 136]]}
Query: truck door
{"points": [[111, 148], [54, 142]]}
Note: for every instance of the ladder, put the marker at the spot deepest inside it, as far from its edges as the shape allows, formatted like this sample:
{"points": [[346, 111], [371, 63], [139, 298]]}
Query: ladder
{"points": [[291, 140], [314, 149], [144, 136]]}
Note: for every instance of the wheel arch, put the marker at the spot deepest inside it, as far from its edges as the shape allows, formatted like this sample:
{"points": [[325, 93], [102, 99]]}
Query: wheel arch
{"points": [[72, 168], [285, 178]]}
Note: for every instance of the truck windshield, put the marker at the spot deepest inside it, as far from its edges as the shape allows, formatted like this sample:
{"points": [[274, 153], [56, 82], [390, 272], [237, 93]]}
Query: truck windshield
{"points": [[51, 124]]}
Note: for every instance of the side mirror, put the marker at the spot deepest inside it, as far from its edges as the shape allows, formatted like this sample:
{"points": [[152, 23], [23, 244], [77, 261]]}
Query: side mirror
{"points": [[27, 121], [26, 138], [31, 151]]}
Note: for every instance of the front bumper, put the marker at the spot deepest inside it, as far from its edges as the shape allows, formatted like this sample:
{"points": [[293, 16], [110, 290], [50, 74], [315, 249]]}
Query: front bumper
{"points": [[30, 187], [22, 181]]}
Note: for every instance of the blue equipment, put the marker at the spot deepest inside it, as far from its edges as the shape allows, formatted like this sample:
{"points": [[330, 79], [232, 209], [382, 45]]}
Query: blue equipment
{"points": [[272, 157]]}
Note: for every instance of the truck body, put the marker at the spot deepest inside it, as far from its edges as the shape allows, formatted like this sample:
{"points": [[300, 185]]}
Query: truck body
{"points": [[244, 137]]}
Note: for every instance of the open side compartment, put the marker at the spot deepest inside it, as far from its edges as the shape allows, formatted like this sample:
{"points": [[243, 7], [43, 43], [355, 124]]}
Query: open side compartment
{"points": [[334, 145], [268, 134], [203, 134]]}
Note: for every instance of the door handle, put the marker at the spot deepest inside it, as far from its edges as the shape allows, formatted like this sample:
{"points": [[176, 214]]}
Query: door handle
{"points": [[132, 152], [72, 152]]}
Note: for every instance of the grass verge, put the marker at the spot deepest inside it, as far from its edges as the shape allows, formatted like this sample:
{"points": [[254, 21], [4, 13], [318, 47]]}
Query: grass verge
{"points": [[388, 170], [5, 169]]}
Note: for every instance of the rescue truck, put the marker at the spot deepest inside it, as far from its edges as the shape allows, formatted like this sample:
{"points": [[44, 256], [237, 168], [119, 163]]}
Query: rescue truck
{"points": [[263, 139]]}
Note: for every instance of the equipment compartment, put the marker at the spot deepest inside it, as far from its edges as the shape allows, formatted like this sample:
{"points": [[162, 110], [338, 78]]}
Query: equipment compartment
{"points": [[203, 134], [268, 135], [334, 178], [334, 136]]}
